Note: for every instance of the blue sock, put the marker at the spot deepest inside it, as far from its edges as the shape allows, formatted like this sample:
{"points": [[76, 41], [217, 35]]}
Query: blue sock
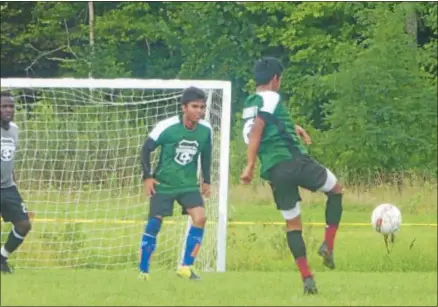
{"points": [[149, 242], [193, 243]]}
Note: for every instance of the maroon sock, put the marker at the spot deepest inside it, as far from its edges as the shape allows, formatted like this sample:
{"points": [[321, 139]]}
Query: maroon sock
{"points": [[330, 234], [303, 267]]}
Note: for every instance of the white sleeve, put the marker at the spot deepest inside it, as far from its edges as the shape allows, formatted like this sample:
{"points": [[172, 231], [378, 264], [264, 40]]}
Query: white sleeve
{"points": [[270, 101], [162, 126]]}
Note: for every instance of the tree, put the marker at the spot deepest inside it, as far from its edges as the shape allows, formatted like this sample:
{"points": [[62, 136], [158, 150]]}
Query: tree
{"points": [[385, 106]]}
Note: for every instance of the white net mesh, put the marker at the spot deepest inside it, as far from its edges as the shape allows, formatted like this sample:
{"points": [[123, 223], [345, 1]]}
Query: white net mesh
{"points": [[78, 170]]}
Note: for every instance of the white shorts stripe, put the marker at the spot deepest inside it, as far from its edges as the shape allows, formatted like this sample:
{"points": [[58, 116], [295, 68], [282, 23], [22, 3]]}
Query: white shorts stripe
{"points": [[292, 213], [330, 182]]}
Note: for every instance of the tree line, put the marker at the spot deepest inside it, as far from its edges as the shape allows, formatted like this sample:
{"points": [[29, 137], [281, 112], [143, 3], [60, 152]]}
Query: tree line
{"points": [[360, 76]]}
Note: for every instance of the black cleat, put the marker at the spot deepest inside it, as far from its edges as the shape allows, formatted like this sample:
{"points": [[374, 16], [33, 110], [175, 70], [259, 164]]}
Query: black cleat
{"points": [[327, 256], [4, 267], [310, 286]]}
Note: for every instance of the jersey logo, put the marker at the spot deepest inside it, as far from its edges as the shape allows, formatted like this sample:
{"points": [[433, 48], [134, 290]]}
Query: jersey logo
{"points": [[7, 149], [185, 151]]}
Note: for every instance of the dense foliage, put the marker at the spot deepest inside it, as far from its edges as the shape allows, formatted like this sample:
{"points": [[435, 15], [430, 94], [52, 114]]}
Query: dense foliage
{"points": [[361, 76]]}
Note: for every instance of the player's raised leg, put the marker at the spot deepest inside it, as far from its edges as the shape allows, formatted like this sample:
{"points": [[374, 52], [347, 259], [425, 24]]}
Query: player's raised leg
{"points": [[333, 215], [193, 204], [315, 177]]}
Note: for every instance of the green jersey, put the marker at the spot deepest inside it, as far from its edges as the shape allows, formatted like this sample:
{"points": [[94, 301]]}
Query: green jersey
{"points": [[279, 140], [177, 169]]}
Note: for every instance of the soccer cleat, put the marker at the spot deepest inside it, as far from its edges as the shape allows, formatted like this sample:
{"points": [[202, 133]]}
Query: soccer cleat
{"points": [[143, 276], [310, 286], [4, 267], [327, 256], [187, 272]]}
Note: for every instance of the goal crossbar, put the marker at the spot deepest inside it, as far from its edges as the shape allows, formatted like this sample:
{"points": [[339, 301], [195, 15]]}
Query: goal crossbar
{"points": [[122, 83]]}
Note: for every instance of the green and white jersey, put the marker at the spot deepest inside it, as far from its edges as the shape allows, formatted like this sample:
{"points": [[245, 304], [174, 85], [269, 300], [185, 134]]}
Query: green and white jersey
{"points": [[279, 141], [177, 169]]}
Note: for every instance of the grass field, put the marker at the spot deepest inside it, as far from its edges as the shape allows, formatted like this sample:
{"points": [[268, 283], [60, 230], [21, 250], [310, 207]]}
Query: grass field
{"points": [[121, 288], [260, 268]]}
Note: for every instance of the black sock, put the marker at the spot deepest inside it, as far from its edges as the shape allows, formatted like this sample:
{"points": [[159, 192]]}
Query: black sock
{"points": [[296, 243], [14, 241], [298, 249], [333, 209]]}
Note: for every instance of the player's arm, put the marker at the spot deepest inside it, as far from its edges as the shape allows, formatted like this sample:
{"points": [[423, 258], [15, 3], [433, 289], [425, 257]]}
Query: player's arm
{"points": [[152, 142], [16, 146], [255, 137], [254, 140], [206, 165], [148, 147], [206, 160], [303, 133]]}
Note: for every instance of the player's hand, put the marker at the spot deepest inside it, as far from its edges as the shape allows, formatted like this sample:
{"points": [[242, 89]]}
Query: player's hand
{"points": [[206, 190], [303, 134], [149, 185], [247, 174]]}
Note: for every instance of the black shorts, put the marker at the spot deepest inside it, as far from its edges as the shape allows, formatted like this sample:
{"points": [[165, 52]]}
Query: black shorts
{"points": [[12, 208], [162, 204], [287, 176]]}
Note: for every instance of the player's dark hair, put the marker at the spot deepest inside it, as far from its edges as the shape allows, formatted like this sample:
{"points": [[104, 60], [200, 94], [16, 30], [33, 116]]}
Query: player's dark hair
{"points": [[191, 94], [265, 69]]}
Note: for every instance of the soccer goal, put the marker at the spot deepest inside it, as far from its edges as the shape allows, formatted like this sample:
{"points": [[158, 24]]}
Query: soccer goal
{"points": [[78, 169]]}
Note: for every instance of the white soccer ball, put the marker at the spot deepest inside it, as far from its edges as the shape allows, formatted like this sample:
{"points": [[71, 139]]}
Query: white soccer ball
{"points": [[386, 219]]}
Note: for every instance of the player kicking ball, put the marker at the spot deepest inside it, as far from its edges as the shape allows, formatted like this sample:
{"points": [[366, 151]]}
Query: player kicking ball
{"points": [[12, 208], [271, 134], [182, 139]]}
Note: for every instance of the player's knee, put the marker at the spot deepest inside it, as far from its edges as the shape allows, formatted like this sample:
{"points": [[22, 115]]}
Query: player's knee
{"points": [[23, 227], [153, 226], [292, 218], [294, 224], [198, 216], [330, 184], [336, 190], [199, 220]]}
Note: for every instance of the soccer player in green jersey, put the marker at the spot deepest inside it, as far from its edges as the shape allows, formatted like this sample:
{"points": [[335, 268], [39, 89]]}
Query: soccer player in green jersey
{"points": [[182, 139], [272, 135]]}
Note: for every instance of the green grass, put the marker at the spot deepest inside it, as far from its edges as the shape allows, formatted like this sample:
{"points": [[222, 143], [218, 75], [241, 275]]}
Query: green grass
{"points": [[260, 268], [121, 288]]}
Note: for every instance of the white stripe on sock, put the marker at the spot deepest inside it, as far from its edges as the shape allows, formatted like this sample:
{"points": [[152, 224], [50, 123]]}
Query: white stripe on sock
{"points": [[4, 252], [16, 234]]}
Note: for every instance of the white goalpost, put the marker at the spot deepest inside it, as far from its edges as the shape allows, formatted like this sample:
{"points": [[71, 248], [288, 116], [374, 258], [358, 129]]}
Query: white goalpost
{"points": [[78, 170]]}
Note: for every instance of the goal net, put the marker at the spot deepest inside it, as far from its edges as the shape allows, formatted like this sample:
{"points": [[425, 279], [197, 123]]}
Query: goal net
{"points": [[78, 169]]}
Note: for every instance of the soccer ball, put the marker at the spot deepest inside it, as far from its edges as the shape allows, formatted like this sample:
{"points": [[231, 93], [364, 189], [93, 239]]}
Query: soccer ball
{"points": [[386, 219]]}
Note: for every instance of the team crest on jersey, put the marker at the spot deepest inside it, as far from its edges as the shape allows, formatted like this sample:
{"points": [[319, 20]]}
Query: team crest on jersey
{"points": [[7, 149], [185, 151]]}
